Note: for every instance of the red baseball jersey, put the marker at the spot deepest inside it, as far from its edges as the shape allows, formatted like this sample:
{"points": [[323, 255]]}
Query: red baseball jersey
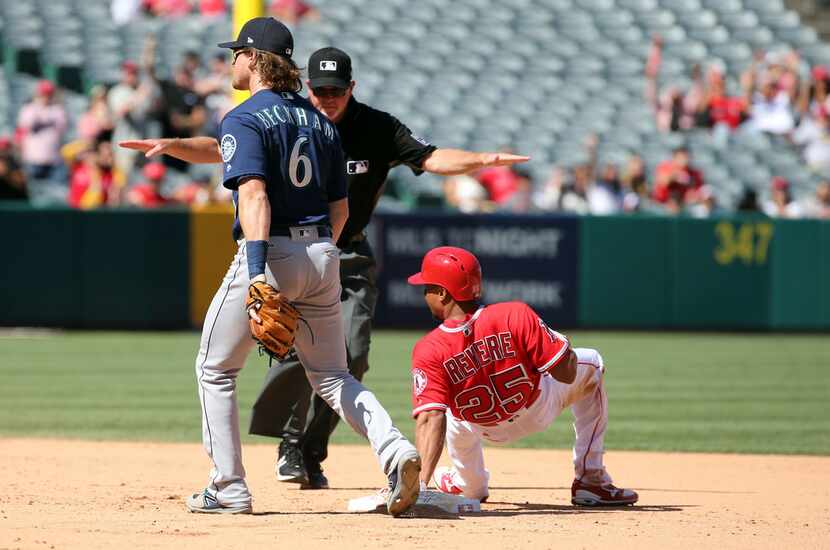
{"points": [[487, 367]]}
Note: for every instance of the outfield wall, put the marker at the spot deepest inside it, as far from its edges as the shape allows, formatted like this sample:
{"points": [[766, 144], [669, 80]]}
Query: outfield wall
{"points": [[159, 269]]}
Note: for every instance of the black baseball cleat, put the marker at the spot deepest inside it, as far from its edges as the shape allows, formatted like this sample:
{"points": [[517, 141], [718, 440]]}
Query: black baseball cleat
{"points": [[316, 478], [290, 467]]}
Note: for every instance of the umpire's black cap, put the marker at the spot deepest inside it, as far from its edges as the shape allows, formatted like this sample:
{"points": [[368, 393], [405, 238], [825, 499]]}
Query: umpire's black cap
{"points": [[329, 67], [266, 34]]}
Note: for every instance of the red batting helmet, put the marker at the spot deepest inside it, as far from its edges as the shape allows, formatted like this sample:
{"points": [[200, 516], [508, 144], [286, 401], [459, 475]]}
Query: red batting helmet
{"points": [[452, 268]]}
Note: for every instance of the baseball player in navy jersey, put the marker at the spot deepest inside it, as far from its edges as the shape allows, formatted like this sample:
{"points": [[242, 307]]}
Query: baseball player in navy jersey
{"points": [[283, 160]]}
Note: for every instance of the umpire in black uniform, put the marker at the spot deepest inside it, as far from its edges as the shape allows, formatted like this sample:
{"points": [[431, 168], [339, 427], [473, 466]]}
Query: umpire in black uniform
{"points": [[374, 142]]}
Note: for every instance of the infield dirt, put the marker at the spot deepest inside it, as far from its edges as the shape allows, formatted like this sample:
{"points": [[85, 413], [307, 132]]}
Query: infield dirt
{"points": [[87, 495]]}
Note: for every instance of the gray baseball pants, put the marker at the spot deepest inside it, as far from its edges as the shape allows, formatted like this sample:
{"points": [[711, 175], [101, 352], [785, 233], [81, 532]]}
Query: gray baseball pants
{"points": [[306, 271]]}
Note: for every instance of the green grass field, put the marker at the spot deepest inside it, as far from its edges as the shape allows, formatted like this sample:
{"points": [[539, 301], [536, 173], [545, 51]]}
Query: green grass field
{"points": [[758, 393]]}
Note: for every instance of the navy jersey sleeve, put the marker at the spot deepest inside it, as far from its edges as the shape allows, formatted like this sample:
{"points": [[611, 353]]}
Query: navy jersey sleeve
{"points": [[409, 149], [243, 150]]}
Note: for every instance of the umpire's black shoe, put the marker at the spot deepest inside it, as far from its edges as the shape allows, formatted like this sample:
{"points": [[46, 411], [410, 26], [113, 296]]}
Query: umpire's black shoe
{"points": [[316, 478], [290, 467]]}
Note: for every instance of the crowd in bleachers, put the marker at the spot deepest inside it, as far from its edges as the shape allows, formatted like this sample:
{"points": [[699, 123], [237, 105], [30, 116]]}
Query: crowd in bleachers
{"points": [[781, 98], [720, 128], [676, 187], [123, 11], [90, 171]]}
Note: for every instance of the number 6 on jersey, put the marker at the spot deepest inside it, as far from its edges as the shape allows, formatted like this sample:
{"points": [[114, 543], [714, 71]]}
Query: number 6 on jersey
{"points": [[294, 165]]}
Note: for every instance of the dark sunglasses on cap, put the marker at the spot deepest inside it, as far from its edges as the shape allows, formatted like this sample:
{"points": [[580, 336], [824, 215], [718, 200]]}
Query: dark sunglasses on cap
{"points": [[329, 91]]}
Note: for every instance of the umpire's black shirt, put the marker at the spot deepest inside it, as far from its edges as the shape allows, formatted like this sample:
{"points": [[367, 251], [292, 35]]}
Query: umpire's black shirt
{"points": [[373, 142]]}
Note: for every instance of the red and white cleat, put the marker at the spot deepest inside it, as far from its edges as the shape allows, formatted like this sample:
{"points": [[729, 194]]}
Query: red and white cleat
{"points": [[444, 479], [583, 494]]}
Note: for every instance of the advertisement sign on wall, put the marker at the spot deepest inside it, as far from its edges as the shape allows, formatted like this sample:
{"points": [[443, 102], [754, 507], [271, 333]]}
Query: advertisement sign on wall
{"points": [[531, 259]]}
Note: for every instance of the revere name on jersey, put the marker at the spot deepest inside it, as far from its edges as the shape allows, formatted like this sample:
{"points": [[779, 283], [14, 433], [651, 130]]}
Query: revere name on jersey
{"points": [[486, 368]]}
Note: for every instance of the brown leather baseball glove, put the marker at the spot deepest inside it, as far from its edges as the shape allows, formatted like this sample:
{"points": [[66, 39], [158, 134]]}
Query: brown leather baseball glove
{"points": [[278, 319]]}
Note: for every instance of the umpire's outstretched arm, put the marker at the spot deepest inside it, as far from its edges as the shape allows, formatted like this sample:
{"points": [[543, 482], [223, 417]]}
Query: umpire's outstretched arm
{"points": [[205, 150]]}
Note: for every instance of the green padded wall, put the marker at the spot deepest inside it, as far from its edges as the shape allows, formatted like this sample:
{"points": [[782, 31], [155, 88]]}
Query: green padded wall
{"points": [[624, 272], [797, 275], [102, 269], [41, 276], [721, 273], [136, 266]]}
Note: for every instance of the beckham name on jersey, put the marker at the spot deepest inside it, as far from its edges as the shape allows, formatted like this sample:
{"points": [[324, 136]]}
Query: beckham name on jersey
{"points": [[283, 114], [479, 354]]}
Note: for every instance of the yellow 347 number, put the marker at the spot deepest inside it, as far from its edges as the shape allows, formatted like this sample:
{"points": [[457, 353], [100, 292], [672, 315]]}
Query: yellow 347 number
{"points": [[748, 242]]}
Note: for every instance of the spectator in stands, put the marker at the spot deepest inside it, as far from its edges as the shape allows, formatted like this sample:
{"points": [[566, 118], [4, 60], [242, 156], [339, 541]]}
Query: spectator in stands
{"points": [[148, 193], [675, 178], [168, 8], [41, 124], [199, 192], [465, 194], [97, 118], [812, 97], [748, 202], [520, 201], [547, 197], [781, 204], [218, 78], [674, 108], [819, 205], [12, 178], [191, 62], [124, 11], [292, 11], [770, 108], [783, 67], [94, 181], [501, 182], [212, 8], [719, 110], [813, 133], [185, 114], [574, 198], [134, 102], [215, 89], [605, 195], [704, 204], [634, 185]]}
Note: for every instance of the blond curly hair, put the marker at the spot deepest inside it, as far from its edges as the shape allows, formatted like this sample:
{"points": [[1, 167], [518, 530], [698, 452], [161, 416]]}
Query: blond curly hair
{"points": [[279, 73]]}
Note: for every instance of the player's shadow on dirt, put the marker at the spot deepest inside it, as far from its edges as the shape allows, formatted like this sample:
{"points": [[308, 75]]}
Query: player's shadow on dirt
{"points": [[640, 489], [529, 509]]}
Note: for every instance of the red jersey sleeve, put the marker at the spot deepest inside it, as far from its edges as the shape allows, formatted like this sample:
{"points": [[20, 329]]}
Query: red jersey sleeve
{"points": [[544, 347], [430, 387]]}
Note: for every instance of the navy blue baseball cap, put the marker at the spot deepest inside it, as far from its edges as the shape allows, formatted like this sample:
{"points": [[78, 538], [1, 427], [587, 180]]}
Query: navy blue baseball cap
{"points": [[266, 34]]}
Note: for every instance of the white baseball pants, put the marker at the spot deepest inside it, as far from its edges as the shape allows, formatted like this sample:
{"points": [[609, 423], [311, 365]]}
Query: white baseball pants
{"points": [[306, 270], [589, 404]]}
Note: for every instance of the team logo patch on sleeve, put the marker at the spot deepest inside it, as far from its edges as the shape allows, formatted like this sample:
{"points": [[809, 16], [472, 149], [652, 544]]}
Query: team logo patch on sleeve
{"points": [[228, 145], [419, 381]]}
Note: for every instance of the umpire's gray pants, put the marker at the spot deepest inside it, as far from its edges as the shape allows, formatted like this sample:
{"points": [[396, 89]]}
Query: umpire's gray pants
{"points": [[306, 271]]}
